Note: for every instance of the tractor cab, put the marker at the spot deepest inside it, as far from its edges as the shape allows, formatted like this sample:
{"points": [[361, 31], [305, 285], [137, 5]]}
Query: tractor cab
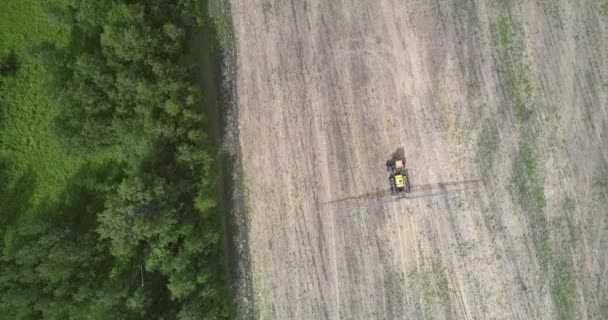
{"points": [[398, 177]]}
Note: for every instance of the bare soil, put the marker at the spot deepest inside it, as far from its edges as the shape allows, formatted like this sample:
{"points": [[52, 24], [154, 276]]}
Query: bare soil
{"points": [[514, 93]]}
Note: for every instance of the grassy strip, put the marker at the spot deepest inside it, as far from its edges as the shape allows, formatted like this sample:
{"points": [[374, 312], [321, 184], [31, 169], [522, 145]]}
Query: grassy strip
{"points": [[528, 186], [527, 181], [487, 148], [513, 67], [214, 46]]}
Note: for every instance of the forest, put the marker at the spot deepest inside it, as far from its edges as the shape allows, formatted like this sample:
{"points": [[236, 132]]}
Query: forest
{"points": [[108, 170]]}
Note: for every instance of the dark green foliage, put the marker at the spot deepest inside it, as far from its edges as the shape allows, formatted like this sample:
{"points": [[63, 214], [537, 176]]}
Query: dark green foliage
{"points": [[55, 267], [124, 73], [15, 194], [146, 215], [9, 64]]}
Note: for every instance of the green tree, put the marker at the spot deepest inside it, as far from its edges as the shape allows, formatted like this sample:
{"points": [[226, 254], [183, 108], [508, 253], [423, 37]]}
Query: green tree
{"points": [[148, 214]]}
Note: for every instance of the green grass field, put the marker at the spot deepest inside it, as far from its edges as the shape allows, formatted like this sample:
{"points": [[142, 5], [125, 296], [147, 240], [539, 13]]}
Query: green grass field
{"points": [[27, 139]]}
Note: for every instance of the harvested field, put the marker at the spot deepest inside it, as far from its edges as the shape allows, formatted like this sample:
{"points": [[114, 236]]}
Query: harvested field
{"points": [[514, 93]]}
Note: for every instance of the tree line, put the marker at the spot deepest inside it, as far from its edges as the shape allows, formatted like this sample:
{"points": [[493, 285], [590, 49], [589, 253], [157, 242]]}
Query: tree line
{"points": [[138, 234]]}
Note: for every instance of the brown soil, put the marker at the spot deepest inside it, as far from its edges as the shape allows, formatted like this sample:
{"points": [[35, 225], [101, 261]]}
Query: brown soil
{"points": [[327, 90]]}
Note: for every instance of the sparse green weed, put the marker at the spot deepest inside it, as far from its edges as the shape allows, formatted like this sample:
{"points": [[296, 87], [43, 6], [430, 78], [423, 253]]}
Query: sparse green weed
{"points": [[504, 33], [528, 188], [223, 27], [600, 186], [552, 8], [603, 8], [272, 6], [490, 220], [456, 202], [473, 87], [562, 283], [604, 307], [433, 282], [506, 3], [569, 209], [527, 180], [467, 10], [527, 175], [569, 205], [487, 147], [465, 248], [266, 6], [283, 72], [509, 39]]}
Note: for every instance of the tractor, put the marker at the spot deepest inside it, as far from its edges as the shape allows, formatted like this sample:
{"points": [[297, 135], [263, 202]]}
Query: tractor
{"points": [[398, 178]]}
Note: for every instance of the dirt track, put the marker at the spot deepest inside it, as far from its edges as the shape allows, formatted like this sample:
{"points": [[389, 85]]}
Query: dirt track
{"points": [[514, 93]]}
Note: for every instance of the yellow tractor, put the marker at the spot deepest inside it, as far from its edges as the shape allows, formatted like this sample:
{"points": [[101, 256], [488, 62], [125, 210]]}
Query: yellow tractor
{"points": [[398, 178]]}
